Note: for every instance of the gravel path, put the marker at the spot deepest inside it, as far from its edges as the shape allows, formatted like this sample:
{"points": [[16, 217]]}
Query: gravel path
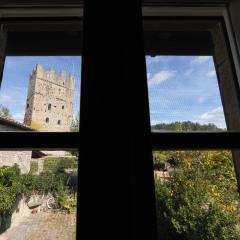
{"points": [[44, 226]]}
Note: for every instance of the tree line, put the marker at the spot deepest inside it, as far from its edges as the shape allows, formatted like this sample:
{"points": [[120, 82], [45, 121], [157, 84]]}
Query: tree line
{"points": [[186, 126]]}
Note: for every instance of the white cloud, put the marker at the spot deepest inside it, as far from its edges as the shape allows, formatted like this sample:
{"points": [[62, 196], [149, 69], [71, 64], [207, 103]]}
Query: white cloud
{"points": [[5, 99], [160, 77], [200, 59], [18, 117], [215, 116], [211, 74]]}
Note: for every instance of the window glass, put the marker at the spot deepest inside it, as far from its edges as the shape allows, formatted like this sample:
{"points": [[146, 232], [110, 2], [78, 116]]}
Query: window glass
{"points": [[184, 94], [37, 91], [196, 194], [38, 194]]}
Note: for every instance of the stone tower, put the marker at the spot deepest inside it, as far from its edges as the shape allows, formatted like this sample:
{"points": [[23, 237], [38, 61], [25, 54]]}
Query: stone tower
{"points": [[49, 105]]}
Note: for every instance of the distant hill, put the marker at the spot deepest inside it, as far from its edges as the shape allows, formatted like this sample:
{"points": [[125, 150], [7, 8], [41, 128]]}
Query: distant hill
{"points": [[185, 126]]}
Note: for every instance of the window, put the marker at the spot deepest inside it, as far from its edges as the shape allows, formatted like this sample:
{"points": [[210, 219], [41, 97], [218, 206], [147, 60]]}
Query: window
{"points": [[62, 106], [191, 89], [34, 73], [184, 94], [195, 183], [46, 168], [31, 77], [116, 141]]}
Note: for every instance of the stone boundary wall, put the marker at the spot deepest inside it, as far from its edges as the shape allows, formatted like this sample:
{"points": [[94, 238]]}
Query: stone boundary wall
{"points": [[22, 158]]}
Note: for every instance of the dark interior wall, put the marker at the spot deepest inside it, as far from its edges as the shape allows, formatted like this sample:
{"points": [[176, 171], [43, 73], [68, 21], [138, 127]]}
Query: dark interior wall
{"points": [[234, 10]]}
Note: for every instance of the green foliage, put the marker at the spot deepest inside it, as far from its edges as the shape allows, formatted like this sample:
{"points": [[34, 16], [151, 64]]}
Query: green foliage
{"points": [[161, 156], [65, 200], [75, 123], [4, 110], [62, 199], [10, 187], [186, 126], [201, 200], [56, 164], [43, 183], [33, 167], [53, 180], [72, 202]]}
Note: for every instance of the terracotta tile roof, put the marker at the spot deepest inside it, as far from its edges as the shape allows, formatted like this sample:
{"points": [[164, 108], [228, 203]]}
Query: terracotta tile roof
{"points": [[6, 120]]}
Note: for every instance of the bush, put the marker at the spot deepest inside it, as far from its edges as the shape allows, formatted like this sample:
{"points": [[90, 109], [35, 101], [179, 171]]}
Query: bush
{"points": [[62, 196], [58, 164], [10, 187], [33, 167], [13, 184], [201, 200]]}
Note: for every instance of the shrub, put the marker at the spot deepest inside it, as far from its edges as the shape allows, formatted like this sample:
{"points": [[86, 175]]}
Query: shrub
{"points": [[10, 187], [33, 167], [58, 164], [13, 184], [62, 196], [201, 200]]}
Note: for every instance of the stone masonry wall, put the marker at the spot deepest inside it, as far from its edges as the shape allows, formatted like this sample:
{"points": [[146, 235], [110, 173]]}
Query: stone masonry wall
{"points": [[50, 100], [22, 158]]}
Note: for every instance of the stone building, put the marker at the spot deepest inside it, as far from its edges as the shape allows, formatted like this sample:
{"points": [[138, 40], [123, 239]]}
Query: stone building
{"points": [[9, 158], [49, 105]]}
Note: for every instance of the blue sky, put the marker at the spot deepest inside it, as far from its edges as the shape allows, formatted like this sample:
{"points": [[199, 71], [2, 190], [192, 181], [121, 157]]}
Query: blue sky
{"points": [[180, 88], [13, 93], [183, 88]]}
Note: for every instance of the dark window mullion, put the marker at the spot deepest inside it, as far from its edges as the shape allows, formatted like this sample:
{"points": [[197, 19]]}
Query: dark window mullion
{"points": [[3, 40], [195, 140], [39, 140]]}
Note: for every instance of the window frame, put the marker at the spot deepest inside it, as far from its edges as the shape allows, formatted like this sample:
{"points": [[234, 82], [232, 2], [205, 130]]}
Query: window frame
{"points": [[42, 18], [142, 221], [201, 140]]}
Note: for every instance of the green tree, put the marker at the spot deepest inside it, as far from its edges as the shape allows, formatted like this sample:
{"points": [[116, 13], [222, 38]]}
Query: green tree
{"points": [[75, 123], [186, 126], [4, 110], [200, 201]]}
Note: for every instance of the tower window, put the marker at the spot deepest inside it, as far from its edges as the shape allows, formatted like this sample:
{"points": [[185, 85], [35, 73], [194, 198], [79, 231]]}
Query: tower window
{"points": [[49, 106], [28, 105], [59, 122], [62, 106], [47, 120]]}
